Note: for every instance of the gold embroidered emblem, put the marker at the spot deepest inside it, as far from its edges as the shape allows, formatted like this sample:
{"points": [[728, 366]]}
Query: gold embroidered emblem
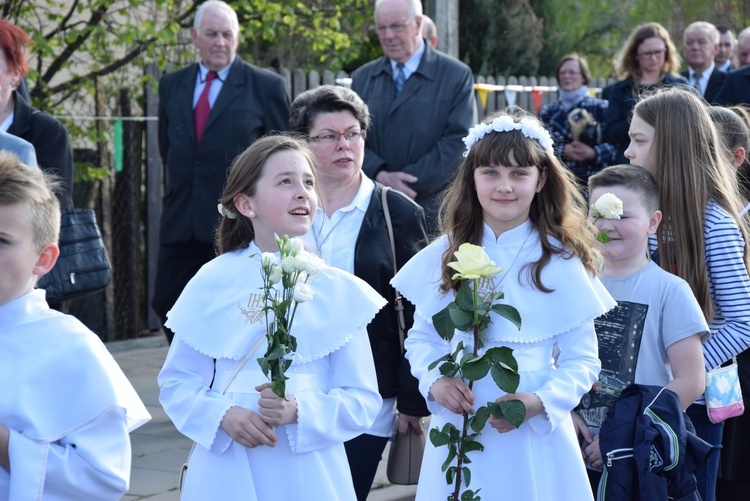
{"points": [[253, 311]]}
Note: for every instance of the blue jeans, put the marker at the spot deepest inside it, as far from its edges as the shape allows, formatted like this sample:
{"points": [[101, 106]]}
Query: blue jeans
{"points": [[711, 433]]}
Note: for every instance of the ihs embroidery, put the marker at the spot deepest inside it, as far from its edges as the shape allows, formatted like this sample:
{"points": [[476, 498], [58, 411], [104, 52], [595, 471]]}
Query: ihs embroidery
{"points": [[488, 286], [253, 311]]}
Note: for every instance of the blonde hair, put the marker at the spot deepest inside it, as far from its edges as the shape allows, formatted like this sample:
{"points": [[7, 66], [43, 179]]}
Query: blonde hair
{"points": [[557, 211], [34, 189], [626, 61], [691, 170]]}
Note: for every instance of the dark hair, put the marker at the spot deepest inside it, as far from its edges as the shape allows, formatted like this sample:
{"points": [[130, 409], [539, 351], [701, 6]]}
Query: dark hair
{"points": [[557, 212], [326, 99], [237, 232], [583, 66], [630, 177], [13, 41], [723, 28]]}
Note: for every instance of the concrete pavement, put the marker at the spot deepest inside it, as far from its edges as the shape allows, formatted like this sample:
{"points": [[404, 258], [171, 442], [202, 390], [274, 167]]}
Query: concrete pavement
{"points": [[159, 450]]}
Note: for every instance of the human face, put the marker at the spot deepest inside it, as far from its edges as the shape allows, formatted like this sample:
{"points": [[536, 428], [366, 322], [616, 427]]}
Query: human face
{"points": [[399, 35], [628, 249], [726, 48], [651, 54], [506, 192], [699, 49], [641, 138], [284, 202], [8, 79], [216, 40], [18, 254], [340, 162], [743, 52], [569, 77]]}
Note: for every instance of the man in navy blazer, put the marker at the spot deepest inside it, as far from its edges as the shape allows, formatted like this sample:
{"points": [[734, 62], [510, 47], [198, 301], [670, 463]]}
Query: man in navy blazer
{"points": [[415, 142], [700, 46], [736, 88], [245, 103]]}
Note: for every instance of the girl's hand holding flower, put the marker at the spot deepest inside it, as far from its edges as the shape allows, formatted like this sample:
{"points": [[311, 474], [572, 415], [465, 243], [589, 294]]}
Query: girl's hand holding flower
{"points": [[453, 394], [248, 428], [274, 410], [533, 407]]}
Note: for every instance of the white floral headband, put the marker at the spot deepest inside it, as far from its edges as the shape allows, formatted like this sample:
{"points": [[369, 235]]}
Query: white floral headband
{"points": [[529, 127]]}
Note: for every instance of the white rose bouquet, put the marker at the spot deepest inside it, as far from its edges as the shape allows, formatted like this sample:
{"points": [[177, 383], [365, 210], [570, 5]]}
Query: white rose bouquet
{"points": [[285, 284], [607, 206], [470, 312]]}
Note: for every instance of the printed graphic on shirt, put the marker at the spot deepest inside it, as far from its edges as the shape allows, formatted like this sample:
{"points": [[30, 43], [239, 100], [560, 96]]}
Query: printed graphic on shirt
{"points": [[619, 334]]}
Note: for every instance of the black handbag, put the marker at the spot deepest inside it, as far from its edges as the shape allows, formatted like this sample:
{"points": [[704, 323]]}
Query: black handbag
{"points": [[82, 267]]}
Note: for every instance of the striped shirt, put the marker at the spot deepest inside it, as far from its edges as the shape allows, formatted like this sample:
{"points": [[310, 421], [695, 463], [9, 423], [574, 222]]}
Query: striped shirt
{"points": [[729, 286]]}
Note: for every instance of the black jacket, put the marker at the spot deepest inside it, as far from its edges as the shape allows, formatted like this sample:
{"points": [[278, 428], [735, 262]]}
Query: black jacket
{"points": [[373, 263], [50, 140], [715, 81], [649, 448]]}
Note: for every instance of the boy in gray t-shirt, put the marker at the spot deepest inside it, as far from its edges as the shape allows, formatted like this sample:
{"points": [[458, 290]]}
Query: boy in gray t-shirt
{"points": [[654, 335]]}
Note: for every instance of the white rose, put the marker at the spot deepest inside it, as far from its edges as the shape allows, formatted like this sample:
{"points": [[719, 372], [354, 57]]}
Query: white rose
{"points": [[275, 275], [268, 260], [303, 261], [314, 264], [608, 206], [295, 246], [303, 292], [288, 264]]}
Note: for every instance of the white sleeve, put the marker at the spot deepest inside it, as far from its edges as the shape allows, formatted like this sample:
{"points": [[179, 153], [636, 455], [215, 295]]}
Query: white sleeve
{"points": [[187, 399], [423, 346], [350, 406], [93, 462], [577, 370]]}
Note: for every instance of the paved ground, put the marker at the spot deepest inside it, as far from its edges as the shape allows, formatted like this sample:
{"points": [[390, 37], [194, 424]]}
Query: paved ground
{"points": [[159, 450]]}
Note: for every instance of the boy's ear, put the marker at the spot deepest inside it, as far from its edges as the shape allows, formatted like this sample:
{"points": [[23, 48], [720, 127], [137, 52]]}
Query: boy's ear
{"points": [[653, 222], [47, 259]]}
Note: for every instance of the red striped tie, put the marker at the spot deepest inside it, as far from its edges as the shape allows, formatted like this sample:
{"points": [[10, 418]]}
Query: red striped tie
{"points": [[203, 108]]}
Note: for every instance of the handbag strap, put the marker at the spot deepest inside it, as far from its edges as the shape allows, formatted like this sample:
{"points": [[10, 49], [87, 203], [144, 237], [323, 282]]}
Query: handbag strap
{"points": [[399, 299], [240, 365]]}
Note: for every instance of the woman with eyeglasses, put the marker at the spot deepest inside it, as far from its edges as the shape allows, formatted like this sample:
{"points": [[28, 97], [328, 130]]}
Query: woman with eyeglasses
{"points": [[576, 120], [648, 60], [350, 232]]}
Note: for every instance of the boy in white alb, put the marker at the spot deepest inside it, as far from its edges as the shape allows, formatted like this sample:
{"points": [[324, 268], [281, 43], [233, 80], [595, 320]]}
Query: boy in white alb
{"points": [[670, 327], [66, 407]]}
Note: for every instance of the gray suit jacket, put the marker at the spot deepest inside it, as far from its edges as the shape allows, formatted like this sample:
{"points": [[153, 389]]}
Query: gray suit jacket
{"points": [[252, 102], [421, 130], [19, 147]]}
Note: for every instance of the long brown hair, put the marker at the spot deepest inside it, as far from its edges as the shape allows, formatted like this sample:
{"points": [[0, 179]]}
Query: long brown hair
{"points": [[236, 232], [691, 170], [557, 211]]}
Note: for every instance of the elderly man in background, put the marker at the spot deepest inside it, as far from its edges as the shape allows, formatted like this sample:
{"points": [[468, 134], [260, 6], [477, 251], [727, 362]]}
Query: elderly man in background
{"points": [[700, 45], [743, 48], [724, 58], [429, 31], [422, 103], [209, 112]]}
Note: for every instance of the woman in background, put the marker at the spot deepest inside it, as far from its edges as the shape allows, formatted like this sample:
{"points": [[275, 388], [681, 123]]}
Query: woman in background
{"points": [[648, 60]]}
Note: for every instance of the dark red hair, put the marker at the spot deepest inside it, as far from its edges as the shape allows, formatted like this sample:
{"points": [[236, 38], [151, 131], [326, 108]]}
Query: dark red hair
{"points": [[13, 41]]}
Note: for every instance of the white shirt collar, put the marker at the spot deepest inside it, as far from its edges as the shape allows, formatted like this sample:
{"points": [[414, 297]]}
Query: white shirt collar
{"points": [[222, 73], [705, 74]]}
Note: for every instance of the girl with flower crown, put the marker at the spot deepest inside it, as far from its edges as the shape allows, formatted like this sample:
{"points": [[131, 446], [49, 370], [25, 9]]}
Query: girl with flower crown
{"points": [[513, 197], [252, 444]]}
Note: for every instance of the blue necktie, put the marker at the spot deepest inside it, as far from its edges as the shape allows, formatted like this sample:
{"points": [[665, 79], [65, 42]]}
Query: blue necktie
{"points": [[400, 77]]}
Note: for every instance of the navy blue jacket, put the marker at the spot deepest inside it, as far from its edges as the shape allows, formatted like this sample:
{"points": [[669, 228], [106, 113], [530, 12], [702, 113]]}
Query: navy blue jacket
{"points": [[649, 448]]}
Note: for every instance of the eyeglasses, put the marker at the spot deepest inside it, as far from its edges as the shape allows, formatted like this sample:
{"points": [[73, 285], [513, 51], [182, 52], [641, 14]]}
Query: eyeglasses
{"points": [[352, 136], [395, 28], [652, 54], [569, 73]]}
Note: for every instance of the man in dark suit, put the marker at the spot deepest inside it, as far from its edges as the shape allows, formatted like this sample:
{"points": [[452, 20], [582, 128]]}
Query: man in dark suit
{"points": [[736, 88], [743, 48], [422, 105], [724, 58], [209, 112], [700, 46]]}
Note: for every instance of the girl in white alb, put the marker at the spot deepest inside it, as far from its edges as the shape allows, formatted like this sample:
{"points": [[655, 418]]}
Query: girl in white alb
{"points": [[514, 198], [250, 443]]}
